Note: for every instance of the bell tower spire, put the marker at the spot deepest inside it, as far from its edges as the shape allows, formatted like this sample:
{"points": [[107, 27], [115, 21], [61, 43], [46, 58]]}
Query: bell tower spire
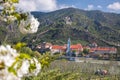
{"points": [[68, 50]]}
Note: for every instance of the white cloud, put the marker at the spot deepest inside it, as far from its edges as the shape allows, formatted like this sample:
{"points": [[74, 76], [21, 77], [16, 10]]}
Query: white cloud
{"points": [[41, 5], [65, 6], [90, 7], [114, 6], [38, 5], [99, 6]]}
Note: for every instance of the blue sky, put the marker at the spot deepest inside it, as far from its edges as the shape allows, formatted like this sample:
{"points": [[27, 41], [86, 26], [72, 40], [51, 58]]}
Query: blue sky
{"points": [[93, 4], [51, 5]]}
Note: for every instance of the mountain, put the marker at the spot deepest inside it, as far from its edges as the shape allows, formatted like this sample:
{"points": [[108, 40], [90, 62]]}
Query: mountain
{"points": [[81, 26]]}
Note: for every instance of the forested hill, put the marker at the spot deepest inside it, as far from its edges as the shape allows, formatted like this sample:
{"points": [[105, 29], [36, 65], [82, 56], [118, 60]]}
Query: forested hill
{"points": [[79, 25]]}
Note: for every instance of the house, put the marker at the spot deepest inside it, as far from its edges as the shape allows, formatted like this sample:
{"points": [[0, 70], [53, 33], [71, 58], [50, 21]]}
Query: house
{"points": [[74, 50], [43, 47], [102, 51], [57, 49], [77, 48]]}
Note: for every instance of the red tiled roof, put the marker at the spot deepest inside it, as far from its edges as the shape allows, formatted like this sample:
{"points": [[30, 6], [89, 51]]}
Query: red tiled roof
{"points": [[103, 49], [106, 48], [58, 47], [92, 49], [77, 46]]}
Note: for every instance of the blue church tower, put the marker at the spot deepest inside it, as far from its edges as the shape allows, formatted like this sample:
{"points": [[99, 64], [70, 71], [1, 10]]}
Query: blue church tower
{"points": [[68, 50]]}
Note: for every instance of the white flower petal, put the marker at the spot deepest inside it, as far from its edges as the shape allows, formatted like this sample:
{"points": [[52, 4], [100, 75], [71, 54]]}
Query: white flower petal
{"points": [[24, 70], [34, 24]]}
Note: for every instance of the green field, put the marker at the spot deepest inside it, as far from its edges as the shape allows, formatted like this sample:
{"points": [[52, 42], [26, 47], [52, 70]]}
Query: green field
{"points": [[87, 69], [83, 70]]}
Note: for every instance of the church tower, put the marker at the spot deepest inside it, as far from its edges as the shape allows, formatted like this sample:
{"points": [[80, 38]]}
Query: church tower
{"points": [[68, 50]]}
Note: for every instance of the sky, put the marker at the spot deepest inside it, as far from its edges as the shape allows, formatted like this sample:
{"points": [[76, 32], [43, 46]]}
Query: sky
{"points": [[52, 5]]}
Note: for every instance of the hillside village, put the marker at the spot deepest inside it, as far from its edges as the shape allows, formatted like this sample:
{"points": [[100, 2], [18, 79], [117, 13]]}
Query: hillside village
{"points": [[92, 50]]}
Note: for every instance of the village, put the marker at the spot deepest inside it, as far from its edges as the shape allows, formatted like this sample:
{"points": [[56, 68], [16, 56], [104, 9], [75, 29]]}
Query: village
{"points": [[78, 50]]}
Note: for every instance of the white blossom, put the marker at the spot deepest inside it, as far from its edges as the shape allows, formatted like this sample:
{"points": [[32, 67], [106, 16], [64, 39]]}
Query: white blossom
{"points": [[11, 18], [6, 5], [8, 56], [5, 75], [24, 70], [29, 26], [8, 60], [38, 67]]}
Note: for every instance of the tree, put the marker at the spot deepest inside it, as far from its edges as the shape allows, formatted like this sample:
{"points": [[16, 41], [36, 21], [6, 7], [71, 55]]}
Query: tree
{"points": [[86, 51], [15, 63]]}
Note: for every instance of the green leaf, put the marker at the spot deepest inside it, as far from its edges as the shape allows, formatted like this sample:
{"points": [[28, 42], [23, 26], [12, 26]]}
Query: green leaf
{"points": [[28, 26], [24, 16], [19, 45], [32, 67], [11, 69], [19, 64], [17, 15], [24, 56], [15, 1], [13, 8]]}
